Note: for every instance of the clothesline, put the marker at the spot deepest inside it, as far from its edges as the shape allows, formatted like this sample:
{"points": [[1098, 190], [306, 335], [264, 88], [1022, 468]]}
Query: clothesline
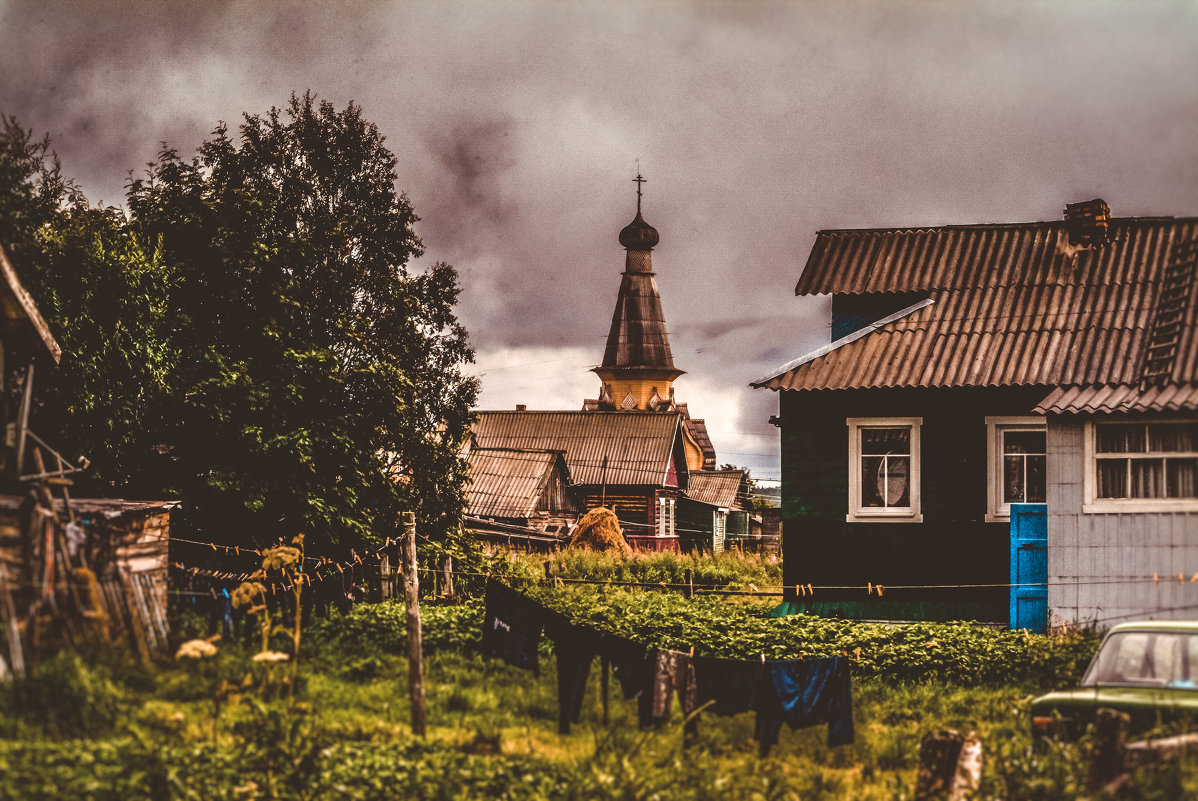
{"points": [[801, 693]]}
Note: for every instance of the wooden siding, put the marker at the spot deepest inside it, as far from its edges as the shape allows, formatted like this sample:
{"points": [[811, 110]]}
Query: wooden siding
{"points": [[953, 544], [1100, 566], [634, 509]]}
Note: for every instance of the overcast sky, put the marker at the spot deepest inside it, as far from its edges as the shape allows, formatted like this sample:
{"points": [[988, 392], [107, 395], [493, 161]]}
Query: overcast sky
{"points": [[518, 126]]}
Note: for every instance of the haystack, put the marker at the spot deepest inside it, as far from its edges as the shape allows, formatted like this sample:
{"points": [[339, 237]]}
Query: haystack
{"points": [[599, 530]]}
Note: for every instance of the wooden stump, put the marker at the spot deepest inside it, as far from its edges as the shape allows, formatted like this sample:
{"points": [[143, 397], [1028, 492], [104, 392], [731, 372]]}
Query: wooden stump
{"points": [[938, 755]]}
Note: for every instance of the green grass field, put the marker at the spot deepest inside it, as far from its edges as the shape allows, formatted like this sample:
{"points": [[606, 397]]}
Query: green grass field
{"points": [[101, 727]]}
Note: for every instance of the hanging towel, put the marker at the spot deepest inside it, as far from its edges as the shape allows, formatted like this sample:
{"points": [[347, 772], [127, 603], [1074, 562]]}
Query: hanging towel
{"points": [[512, 627], [805, 693]]}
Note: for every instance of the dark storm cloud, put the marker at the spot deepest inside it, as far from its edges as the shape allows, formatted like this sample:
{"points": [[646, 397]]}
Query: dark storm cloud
{"points": [[517, 126]]}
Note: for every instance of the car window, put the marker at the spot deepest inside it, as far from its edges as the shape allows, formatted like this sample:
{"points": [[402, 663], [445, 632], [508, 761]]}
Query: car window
{"points": [[1146, 658]]}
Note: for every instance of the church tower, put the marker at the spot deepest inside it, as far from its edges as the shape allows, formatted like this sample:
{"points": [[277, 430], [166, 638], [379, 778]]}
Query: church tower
{"points": [[638, 369]]}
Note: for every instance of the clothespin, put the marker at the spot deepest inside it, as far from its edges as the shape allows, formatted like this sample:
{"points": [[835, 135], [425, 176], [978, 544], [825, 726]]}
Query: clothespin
{"points": [[810, 589], [1194, 579], [339, 570], [1156, 579], [1180, 579], [763, 659], [858, 652], [692, 653], [869, 588], [237, 550], [880, 590], [213, 544]]}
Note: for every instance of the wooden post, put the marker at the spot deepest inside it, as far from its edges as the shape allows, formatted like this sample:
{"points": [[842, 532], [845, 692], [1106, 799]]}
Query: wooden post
{"points": [[411, 596], [938, 755], [447, 576], [1110, 737], [690, 583], [549, 570], [384, 576]]}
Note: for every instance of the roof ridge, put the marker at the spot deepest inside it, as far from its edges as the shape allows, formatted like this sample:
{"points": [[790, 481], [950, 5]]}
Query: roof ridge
{"points": [[923, 229]]}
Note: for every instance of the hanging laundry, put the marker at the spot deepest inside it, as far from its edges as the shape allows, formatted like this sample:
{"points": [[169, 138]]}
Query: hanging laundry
{"points": [[576, 648], [805, 693], [729, 685], [227, 608], [672, 673], [512, 627]]}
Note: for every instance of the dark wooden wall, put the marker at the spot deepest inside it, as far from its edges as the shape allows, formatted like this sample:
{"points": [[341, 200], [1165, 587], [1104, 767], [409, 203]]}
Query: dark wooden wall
{"points": [[953, 544]]}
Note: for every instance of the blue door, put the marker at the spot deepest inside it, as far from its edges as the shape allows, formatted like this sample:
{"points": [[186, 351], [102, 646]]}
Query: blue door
{"points": [[1029, 566]]}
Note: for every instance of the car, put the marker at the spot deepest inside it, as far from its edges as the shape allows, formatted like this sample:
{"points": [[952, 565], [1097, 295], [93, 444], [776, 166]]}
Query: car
{"points": [[1148, 669]]}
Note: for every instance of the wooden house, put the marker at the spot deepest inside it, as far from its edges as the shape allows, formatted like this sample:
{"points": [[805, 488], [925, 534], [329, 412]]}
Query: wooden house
{"points": [[712, 509], [513, 489], [631, 462], [1048, 367]]}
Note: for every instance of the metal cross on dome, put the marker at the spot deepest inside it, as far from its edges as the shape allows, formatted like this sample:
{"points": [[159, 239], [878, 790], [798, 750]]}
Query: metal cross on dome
{"points": [[639, 180]]}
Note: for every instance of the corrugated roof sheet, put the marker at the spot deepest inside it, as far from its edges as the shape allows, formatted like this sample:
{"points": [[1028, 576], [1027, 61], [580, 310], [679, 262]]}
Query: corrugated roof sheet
{"points": [[958, 256], [508, 483], [717, 487], [635, 445], [1013, 305], [1113, 398]]}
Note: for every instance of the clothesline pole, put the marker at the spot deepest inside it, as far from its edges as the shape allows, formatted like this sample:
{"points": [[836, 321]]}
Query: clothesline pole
{"points": [[411, 594]]}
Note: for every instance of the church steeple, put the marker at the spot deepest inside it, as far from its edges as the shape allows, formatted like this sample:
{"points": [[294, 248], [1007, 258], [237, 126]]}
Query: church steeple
{"points": [[638, 369]]}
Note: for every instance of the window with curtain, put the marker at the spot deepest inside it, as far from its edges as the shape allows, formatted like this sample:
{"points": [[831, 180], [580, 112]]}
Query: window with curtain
{"points": [[883, 468], [1146, 461]]}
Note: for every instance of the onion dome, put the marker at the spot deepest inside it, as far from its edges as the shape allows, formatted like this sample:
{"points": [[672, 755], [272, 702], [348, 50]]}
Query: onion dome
{"points": [[639, 235]]}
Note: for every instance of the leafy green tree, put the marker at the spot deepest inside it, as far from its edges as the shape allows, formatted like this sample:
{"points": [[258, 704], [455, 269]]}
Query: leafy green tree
{"points": [[104, 297], [319, 384]]}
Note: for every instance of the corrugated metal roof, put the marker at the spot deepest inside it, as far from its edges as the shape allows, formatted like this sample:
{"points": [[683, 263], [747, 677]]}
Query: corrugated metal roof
{"points": [[958, 256], [508, 483], [998, 336], [1113, 398], [1012, 305], [717, 487], [634, 446]]}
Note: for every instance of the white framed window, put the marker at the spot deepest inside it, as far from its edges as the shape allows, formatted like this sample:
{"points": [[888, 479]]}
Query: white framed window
{"points": [[665, 517], [884, 469], [1146, 466], [1016, 459]]}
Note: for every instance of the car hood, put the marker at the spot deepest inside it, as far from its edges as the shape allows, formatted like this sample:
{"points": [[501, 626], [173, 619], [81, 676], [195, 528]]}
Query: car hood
{"points": [[1123, 698]]}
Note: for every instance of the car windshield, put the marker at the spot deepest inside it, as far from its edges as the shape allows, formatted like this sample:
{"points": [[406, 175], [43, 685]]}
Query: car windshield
{"points": [[1147, 659]]}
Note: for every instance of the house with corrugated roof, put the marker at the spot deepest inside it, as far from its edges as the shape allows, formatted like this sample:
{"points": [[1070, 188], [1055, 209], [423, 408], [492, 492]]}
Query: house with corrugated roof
{"points": [[634, 448], [1012, 404], [519, 490], [631, 462]]}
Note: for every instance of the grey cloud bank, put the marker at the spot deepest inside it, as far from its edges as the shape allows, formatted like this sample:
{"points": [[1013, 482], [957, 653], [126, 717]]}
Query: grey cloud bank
{"points": [[518, 124]]}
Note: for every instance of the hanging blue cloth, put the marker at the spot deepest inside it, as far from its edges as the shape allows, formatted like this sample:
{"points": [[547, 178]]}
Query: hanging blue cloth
{"points": [[227, 604], [805, 693]]}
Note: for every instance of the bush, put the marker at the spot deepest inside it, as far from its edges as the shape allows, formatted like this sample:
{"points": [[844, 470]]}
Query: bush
{"points": [[67, 697]]}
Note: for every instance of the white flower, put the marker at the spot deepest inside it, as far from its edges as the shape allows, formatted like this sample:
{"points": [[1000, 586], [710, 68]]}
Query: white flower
{"points": [[195, 649]]}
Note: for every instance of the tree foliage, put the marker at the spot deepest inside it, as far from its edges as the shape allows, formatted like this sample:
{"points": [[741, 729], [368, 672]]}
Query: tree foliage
{"points": [[249, 336]]}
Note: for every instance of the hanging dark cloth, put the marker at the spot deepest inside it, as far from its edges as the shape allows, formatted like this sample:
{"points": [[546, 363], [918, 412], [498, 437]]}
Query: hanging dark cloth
{"points": [[632, 664], [805, 693], [729, 685], [576, 648], [512, 627]]}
